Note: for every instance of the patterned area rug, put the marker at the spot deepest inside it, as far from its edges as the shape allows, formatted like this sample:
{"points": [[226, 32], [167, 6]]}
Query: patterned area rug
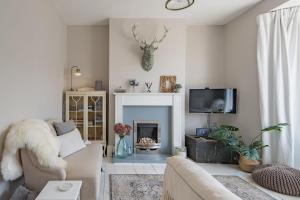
{"points": [[135, 187], [149, 187], [242, 188]]}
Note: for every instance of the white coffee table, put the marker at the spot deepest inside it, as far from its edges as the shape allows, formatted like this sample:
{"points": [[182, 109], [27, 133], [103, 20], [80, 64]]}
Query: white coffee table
{"points": [[51, 191]]}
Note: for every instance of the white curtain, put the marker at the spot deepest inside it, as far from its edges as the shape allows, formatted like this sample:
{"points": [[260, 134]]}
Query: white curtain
{"points": [[278, 56]]}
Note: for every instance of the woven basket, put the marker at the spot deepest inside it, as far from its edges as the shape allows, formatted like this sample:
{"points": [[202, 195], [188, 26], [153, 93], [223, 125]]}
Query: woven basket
{"points": [[247, 165]]}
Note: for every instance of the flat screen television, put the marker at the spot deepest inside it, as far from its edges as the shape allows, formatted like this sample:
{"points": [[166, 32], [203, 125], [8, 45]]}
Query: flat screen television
{"points": [[212, 100]]}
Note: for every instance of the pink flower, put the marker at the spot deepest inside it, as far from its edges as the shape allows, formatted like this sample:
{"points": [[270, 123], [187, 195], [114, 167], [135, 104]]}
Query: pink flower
{"points": [[122, 129], [128, 129]]}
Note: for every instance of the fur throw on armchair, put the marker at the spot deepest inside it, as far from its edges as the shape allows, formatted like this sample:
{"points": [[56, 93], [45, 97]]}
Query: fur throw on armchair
{"points": [[34, 135]]}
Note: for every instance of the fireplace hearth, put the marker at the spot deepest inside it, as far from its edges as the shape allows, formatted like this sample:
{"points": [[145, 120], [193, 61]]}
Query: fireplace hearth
{"points": [[147, 136]]}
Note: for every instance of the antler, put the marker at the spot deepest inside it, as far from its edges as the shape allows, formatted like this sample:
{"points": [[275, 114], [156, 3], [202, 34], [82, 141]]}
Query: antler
{"points": [[135, 35], [162, 38]]}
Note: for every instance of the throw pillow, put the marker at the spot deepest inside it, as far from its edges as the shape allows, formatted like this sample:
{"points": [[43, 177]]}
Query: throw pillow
{"points": [[32, 195], [64, 127], [20, 193], [70, 143]]}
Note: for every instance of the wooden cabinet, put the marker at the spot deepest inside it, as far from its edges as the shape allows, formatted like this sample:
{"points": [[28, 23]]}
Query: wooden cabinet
{"points": [[204, 150], [88, 110]]}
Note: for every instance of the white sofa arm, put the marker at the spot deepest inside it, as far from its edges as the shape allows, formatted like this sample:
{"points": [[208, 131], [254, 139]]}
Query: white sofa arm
{"points": [[184, 179]]}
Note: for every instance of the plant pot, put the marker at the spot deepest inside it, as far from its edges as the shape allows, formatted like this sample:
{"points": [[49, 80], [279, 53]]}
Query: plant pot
{"points": [[247, 165]]}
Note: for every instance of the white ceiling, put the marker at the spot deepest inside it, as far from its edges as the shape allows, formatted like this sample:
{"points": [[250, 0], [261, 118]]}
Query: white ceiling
{"points": [[203, 12]]}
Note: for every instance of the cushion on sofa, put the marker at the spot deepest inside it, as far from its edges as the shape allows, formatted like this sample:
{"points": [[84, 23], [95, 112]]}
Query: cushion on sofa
{"points": [[64, 127], [22, 193], [85, 165], [70, 143]]}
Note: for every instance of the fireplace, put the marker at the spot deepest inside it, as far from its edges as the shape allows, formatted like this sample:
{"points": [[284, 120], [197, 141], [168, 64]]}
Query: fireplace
{"points": [[136, 106], [146, 136]]}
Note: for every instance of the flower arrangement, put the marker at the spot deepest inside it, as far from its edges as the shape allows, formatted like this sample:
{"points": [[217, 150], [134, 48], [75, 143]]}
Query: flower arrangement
{"points": [[133, 83], [122, 129]]}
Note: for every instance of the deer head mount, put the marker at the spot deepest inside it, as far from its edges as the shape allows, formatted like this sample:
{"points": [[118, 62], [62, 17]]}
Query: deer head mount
{"points": [[148, 48]]}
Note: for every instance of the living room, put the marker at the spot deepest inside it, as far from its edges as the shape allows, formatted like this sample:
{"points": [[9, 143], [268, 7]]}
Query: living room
{"points": [[133, 99]]}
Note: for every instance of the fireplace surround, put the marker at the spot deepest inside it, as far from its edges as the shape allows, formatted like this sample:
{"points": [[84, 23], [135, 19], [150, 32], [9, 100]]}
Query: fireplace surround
{"points": [[173, 100]]}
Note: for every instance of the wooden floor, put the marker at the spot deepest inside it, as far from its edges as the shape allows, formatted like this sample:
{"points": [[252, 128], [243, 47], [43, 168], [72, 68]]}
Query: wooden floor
{"points": [[138, 168]]}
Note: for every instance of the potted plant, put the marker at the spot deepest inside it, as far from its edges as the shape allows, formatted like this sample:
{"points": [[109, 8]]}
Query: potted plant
{"points": [[122, 147], [249, 155], [177, 87], [133, 83]]}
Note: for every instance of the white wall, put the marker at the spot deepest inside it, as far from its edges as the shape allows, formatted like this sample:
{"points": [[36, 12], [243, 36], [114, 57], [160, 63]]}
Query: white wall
{"points": [[88, 49], [32, 60], [125, 55], [241, 67], [205, 64]]}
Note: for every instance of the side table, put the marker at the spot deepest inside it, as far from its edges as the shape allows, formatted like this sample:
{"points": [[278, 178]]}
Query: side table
{"points": [[51, 191]]}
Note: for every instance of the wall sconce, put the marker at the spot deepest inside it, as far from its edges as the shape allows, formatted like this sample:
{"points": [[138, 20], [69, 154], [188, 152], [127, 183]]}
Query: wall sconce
{"points": [[75, 70]]}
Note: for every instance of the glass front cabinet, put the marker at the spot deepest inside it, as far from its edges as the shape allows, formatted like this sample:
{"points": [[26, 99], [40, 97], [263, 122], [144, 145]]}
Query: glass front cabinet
{"points": [[88, 111]]}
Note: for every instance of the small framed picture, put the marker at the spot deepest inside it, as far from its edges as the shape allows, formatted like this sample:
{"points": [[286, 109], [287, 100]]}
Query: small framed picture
{"points": [[167, 84]]}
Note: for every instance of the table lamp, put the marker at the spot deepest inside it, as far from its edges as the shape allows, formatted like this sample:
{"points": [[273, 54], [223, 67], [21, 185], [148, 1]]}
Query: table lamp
{"points": [[75, 70]]}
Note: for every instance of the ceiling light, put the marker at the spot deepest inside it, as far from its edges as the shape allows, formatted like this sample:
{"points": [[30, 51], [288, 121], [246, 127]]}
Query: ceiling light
{"points": [[178, 4]]}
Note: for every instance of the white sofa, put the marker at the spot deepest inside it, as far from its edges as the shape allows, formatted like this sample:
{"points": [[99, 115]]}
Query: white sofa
{"points": [[185, 179]]}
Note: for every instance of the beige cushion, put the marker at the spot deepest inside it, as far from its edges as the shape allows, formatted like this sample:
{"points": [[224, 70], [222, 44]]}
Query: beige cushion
{"points": [[85, 165], [70, 143]]}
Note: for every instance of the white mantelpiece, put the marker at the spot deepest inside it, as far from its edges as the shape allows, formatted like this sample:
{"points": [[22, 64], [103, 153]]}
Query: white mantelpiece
{"points": [[174, 100]]}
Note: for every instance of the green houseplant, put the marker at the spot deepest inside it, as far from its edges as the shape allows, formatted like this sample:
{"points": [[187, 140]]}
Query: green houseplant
{"points": [[177, 87], [249, 154]]}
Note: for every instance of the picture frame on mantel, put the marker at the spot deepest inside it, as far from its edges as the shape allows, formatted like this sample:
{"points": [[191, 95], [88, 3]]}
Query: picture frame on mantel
{"points": [[167, 84]]}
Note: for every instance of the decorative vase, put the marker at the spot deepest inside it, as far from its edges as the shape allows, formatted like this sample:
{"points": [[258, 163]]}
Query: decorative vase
{"points": [[247, 165], [122, 148]]}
